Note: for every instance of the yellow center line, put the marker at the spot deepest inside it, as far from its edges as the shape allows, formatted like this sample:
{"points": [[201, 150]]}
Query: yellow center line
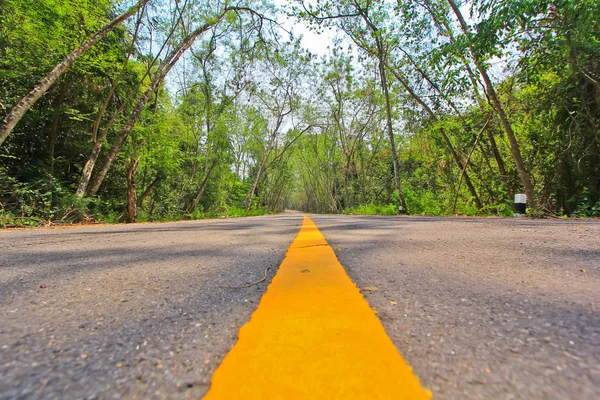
{"points": [[313, 336]]}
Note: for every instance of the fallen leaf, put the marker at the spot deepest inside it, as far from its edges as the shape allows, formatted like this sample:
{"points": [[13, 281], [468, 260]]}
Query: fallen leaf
{"points": [[43, 286], [374, 310], [582, 270], [370, 289], [84, 356], [393, 302]]}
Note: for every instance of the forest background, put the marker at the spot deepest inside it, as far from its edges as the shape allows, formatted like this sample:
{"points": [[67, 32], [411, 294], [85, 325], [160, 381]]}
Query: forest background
{"points": [[182, 109]]}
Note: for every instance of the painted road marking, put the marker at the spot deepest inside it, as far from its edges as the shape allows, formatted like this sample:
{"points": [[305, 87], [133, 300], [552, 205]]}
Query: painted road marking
{"points": [[313, 336]]}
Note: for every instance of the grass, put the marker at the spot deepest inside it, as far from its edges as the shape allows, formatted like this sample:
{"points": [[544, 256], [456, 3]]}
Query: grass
{"points": [[372, 209]]}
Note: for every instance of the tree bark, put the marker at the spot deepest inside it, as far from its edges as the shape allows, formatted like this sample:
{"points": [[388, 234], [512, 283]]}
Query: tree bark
{"points": [[86, 174], [497, 156], [97, 142], [115, 83], [269, 148], [120, 139], [250, 195], [463, 172], [17, 112], [473, 79], [388, 109], [131, 191]]}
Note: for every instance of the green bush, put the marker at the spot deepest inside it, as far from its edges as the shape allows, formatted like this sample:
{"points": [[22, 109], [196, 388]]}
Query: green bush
{"points": [[423, 202], [372, 209], [231, 212], [587, 208], [390, 209]]}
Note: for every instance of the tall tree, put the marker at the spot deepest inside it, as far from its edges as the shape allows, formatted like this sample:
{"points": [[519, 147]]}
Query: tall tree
{"points": [[498, 106]]}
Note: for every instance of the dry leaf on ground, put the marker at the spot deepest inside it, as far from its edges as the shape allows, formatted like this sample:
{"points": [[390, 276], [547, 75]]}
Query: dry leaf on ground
{"points": [[370, 289]]}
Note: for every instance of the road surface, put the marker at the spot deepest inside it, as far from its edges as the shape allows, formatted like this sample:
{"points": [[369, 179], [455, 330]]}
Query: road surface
{"points": [[480, 308]]}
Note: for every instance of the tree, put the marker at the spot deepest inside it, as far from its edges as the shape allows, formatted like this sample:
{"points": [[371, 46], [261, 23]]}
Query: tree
{"points": [[346, 14], [498, 107], [283, 73], [158, 77], [17, 112]]}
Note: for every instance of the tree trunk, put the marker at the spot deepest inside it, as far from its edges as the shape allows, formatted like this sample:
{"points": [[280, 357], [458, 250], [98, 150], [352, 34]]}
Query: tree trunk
{"points": [[131, 191], [120, 139], [463, 170], [491, 92], [390, 129], [451, 149], [115, 83], [473, 79], [252, 189], [388, 109], [497, 157], [17, 112], [263, 162], [140, 201], [97, 142], [86, 174], [204, 185]]}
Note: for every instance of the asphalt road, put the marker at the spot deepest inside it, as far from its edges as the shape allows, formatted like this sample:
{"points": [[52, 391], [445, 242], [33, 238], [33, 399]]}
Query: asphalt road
{"points": [[480, 308]]}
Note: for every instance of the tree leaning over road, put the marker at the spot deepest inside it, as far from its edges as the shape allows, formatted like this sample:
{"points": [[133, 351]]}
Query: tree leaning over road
{"points": [[158, 78], [17, 112], [166, 65], [499, 108]]}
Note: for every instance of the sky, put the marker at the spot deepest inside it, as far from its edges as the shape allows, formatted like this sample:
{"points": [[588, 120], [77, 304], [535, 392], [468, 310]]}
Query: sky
{"points": [[314, 42]]}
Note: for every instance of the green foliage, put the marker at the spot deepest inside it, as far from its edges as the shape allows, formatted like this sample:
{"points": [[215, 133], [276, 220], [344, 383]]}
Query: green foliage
{"points": [[233, 212], [38, 199], [422, 202], [372, 209], [586, 207]]}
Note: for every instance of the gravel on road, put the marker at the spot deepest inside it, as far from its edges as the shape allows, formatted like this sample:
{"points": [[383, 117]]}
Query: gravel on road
{"points": [[480, 308]]}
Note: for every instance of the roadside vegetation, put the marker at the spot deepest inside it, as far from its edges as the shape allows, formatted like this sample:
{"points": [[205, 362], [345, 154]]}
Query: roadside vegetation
{"points": [[154, 110]]}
